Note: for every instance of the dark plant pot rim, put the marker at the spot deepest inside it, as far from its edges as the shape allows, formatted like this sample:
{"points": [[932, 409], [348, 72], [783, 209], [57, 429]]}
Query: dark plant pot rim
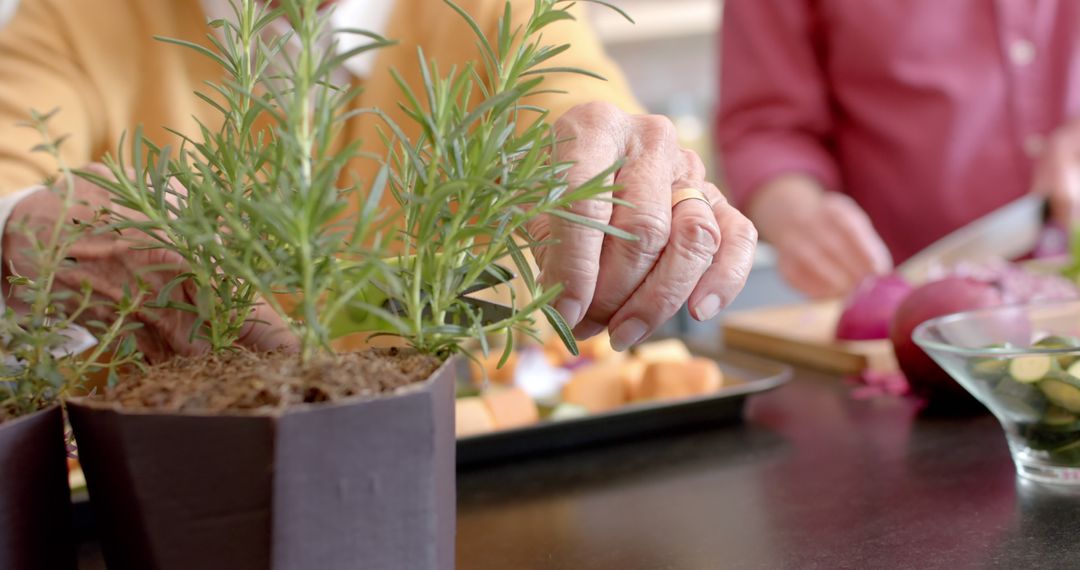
{"points": [[26, 417], [97, 404]]}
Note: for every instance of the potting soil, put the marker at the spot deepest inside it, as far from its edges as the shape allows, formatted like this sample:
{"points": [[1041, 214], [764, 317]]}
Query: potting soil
{"points": [[244, 380]]}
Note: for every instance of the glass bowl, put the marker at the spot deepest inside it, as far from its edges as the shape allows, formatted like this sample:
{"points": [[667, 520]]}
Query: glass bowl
{"points": [[1023, 363]]}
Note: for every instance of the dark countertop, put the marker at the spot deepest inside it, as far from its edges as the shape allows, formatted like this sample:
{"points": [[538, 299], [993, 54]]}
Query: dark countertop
{"points": [[813, 479]]}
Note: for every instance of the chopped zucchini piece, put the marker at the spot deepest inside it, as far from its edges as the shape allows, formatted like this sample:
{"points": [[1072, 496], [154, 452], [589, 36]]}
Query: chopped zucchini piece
{"points": [[1057, 416], [1068, 377], [1074, 370], [1029, 369], [989, 368], [1062, 394], [1059, 342], [1024, 402]]}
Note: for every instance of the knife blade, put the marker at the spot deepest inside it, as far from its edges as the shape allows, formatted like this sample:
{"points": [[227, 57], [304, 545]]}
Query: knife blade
{"points": [[1006, 233]]}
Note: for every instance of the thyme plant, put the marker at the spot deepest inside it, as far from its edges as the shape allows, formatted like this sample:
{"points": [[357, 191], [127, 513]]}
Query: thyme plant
{"points": [[260, 205], [38, 369]]}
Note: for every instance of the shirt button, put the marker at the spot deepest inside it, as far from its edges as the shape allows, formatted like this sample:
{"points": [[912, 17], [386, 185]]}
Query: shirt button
{"points": [[1033, 145], [1022, 52]]}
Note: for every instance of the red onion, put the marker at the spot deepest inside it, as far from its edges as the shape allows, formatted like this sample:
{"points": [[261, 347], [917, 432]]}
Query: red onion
{"points": [[1017, 284], [934, 299], [870, 309]]}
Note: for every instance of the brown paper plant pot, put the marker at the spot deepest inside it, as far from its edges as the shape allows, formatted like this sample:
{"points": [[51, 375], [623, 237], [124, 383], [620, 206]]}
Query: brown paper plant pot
{"points": [[365, 484], [35, 500]]}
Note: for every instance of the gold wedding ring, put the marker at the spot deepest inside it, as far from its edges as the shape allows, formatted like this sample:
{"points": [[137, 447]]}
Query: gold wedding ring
{"points": [[685, 193]]}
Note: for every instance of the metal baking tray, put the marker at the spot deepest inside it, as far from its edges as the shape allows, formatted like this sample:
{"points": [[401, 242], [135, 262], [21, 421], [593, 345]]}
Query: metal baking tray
{"points": [[751, 375]]}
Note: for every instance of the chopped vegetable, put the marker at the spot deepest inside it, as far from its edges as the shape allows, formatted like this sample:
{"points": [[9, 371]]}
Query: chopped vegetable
{"points": [[1074, 370], [934, 299], [1040, 395], [869, 311], [1024, 402], [567, 411], [1029, 369], [1062, 394], [1058, 417], [1058, 342], [990, 367]]}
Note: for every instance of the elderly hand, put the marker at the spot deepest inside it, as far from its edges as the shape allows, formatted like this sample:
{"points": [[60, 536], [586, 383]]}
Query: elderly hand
{"points": [[696, 251], [109, 263], [1057, 174], [825, 243]]}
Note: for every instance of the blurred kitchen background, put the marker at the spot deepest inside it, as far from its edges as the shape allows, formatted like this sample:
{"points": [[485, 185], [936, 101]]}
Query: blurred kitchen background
{"points": [[670, 57]]}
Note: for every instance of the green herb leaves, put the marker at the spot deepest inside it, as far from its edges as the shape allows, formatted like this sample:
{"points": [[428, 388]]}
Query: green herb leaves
{"points": [[254, 206], [257, 206], [478, 174]]}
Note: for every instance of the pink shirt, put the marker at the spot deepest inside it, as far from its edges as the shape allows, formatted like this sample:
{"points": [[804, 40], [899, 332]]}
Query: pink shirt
{"points": [[929, 113]]}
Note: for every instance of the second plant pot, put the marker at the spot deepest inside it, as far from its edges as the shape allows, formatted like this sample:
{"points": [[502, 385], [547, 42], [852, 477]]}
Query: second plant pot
{"points": [[35, 501], [353, 484]]}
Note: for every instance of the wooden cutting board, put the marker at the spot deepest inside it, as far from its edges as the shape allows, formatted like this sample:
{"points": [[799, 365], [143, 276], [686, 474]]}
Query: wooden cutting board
{"points": [[803, 335]]}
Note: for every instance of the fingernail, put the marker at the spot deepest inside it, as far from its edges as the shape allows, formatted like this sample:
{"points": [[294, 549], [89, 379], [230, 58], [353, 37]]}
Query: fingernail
{"points": [[570, 310], [628, 334], [587, 330], [707, 308]]}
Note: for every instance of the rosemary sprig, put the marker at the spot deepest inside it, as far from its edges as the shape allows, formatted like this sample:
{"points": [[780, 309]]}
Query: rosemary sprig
{"points": [[256, 211], [479, 173]]}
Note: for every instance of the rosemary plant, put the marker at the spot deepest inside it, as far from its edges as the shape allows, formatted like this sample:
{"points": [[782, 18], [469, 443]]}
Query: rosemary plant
{"points": [[260, 205], [478, 174], [38, 369], [254, 207]]}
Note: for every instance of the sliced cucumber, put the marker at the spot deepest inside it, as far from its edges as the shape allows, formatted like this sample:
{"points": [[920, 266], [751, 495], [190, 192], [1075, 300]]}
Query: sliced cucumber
{"points": [[1059, 342], [1024, 402], [1069, 376], [988, 368], [1030, 369], [1062, 394], [1058, 417]]}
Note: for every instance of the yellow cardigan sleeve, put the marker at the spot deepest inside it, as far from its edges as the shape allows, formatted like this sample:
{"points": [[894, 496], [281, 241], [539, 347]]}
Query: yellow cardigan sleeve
{"points": [[97, 62], [38, 72]]}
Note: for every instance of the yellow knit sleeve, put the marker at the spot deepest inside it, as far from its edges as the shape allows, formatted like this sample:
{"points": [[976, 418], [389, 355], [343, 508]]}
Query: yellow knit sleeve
{"points": [[38, 71]]}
